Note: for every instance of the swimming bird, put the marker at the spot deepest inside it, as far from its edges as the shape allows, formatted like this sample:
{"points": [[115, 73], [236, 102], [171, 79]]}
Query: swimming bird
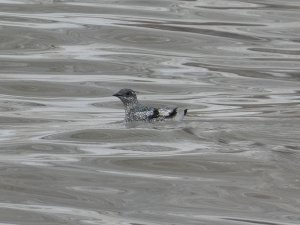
{"points": [[135, 111]]}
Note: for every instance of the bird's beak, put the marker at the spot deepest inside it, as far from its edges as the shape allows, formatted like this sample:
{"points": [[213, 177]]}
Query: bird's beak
{"points": [[117, 95]]}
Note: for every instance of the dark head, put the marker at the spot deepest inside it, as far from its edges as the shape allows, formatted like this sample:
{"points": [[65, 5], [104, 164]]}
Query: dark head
{"points": [[127, 96]]}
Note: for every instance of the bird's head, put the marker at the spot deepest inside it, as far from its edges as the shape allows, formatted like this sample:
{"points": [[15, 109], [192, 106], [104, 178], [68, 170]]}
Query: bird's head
{"points": [[127, 96]]}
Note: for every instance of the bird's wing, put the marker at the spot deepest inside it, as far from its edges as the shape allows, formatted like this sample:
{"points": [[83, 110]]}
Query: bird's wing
{"points": [[147, 113], [154, 114], [167, 112]]}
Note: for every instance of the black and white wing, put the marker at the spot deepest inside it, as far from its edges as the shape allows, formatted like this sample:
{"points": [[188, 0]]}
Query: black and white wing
{"points": [[167, 112], [145, 113]]}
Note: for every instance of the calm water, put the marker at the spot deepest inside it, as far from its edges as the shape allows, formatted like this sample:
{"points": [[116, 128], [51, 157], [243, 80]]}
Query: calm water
{"points": [[66, 156]]}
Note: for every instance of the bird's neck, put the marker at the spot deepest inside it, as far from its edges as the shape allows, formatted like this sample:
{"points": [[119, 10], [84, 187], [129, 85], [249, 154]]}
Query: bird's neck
{"points": [[130, 105]]}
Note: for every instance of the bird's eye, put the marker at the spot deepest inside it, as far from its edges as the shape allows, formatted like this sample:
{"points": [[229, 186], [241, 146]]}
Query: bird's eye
{"points": [[128, 93]]}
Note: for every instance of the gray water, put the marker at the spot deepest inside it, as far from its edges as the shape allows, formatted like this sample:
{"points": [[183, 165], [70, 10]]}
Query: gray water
{"points": [[66, 157]]}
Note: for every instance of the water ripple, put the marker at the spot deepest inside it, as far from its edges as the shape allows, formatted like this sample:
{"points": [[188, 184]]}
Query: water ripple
{"points": [[67, 156]]}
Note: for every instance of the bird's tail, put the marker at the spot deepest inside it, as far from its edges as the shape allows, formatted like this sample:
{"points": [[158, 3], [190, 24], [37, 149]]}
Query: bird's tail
{"points": [[172, 113], [185, 112], [180, 114]]}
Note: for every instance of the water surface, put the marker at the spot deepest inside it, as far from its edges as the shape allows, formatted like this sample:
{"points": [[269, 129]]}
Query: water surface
{"points": [[67, 157]]}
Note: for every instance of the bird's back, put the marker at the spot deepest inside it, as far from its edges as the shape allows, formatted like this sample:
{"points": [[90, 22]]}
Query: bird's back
{"points": [[148, 113]]}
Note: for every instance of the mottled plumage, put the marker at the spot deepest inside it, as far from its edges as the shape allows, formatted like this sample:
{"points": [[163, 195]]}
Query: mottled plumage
{"points": [[135, 111]]}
